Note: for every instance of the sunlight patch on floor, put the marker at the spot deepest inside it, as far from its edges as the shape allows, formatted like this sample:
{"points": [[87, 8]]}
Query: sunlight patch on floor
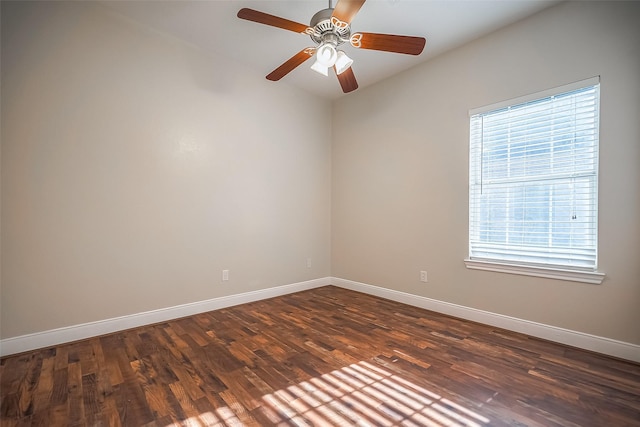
{"points": [[365, 395], [224, 417]]}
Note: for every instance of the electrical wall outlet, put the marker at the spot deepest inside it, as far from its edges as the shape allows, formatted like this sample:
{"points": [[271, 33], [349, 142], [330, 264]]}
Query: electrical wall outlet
{"points": [[225, 275], [423, 276], [308, 262]]}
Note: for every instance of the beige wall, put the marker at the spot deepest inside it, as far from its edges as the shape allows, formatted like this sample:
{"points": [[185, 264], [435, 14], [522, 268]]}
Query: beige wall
{"points": [[135, 169], [400, 169]]}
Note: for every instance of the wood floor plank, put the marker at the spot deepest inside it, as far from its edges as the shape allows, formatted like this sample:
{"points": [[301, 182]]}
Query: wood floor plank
{"points": [[75, 401], [59, 391], [44, 387], [322, 357]]}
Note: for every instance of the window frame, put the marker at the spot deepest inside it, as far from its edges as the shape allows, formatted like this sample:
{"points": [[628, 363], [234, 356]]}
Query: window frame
{"points": [[577, 274]]}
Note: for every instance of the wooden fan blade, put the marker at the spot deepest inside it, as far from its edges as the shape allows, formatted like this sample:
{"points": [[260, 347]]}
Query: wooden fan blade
{"points": [[346, 10], [347, 80], [389, 43], [272, 20], [292, 63]]}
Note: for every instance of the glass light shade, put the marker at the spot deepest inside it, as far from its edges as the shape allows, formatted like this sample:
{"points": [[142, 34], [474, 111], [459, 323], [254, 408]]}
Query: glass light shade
{"points": [[319, 68], [327, 55], [343, 62]]}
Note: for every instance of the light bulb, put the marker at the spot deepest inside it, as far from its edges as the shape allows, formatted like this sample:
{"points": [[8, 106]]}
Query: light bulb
{"points": [[326, 55], [343, 62], [319, 68]]}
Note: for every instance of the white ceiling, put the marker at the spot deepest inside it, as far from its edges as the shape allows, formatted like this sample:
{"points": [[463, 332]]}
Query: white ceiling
{"points": [[213, 26]]}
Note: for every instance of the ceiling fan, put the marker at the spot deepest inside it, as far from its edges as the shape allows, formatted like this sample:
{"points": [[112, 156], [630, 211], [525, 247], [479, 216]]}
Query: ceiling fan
{"points": [[330, 28]]}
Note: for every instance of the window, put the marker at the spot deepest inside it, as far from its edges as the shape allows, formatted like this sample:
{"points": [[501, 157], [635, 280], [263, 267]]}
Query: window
{"points": [[533, 184]]}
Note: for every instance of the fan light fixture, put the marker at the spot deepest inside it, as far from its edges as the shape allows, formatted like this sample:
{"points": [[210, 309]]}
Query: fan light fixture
{"points": [[327, 56]]}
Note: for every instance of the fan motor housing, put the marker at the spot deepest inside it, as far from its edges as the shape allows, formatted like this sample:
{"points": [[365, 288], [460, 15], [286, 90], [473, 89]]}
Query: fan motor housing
{"points": [[324, 30]]}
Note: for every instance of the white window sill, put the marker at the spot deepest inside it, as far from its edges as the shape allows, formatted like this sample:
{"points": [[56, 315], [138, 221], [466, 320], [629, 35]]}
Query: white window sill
{"points": [[592, 277]]}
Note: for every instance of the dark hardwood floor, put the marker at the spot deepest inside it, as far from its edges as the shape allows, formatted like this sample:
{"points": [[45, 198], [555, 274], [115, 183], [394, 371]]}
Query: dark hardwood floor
{"points": [[323, 357]]}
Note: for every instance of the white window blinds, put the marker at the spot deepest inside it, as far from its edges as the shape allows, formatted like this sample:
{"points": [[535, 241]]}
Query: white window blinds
{"points": [[533, 188]]}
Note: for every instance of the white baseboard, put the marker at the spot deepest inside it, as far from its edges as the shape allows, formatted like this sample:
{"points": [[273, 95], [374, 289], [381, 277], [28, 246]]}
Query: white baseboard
{"points": [[87, 330], [58, 336], [581, 340]]}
